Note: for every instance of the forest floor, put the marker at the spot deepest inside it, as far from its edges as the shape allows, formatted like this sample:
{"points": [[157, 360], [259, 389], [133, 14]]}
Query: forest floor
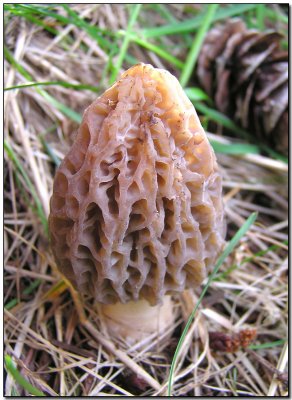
{"points": [[54, 341]]}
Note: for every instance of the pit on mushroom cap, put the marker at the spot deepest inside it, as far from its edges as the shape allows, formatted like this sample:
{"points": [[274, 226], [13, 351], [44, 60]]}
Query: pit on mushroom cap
{"points": [[136, 210]]}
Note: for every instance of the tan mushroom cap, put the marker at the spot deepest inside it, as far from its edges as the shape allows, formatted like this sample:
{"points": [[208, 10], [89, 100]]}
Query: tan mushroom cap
{"points": [[136, 210]]}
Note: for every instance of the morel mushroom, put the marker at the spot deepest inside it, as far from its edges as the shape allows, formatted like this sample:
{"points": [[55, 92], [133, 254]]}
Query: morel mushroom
{"points": [[136, 211]]}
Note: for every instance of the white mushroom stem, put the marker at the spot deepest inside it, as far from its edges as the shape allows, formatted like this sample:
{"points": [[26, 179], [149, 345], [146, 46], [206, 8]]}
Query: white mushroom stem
{"points": [[136, 320]]}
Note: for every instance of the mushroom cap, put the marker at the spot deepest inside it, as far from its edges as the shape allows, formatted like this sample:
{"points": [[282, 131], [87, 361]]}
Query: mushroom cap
{"points": [[136, 210]]}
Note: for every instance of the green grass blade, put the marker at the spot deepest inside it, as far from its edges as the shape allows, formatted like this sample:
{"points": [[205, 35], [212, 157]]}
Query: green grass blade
{"points": [[74, 19], [260, 15], [33, 9], [285, 44], [40, 211], [126, 41], [194, 23], [34, 20], [235, 148], [229, 124], [50, 152], [96, 33], [155, 49], [163, 11], [93, 31], [260, 253], [56, 160], [196, 94], [269, 345], [274, 154], [9, 57], [12, 303], [277, 16], [221, 119], [20, 379], [228, 249], [197, 43], [59, 106], [14, 392], [55, 83]]}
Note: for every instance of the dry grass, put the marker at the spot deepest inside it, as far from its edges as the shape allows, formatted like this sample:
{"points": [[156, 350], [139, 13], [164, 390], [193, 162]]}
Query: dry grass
{"points": [[64, 352]]}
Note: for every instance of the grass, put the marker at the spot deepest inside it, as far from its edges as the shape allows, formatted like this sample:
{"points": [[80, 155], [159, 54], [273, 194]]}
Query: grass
{"points": [[126, 41], [261, 14], [58, 59], [54, 83], [235, 148], [192, 24], [20, 379], [267, 345], [163, 54], [197, 43], [27, 291], [229, 248], [56, 160], [59, 106]]}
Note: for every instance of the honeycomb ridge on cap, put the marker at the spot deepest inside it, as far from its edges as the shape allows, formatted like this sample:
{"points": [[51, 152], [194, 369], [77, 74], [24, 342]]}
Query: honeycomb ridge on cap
{"points": [[136, 210]]}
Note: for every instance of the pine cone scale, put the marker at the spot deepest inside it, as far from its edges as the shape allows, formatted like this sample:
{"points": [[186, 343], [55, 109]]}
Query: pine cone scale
{"points": [[273, 84], [275, 107]]}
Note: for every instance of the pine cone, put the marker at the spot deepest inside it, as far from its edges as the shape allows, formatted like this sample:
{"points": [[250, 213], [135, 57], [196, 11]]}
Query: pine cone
{"points": [[246, 74]]}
